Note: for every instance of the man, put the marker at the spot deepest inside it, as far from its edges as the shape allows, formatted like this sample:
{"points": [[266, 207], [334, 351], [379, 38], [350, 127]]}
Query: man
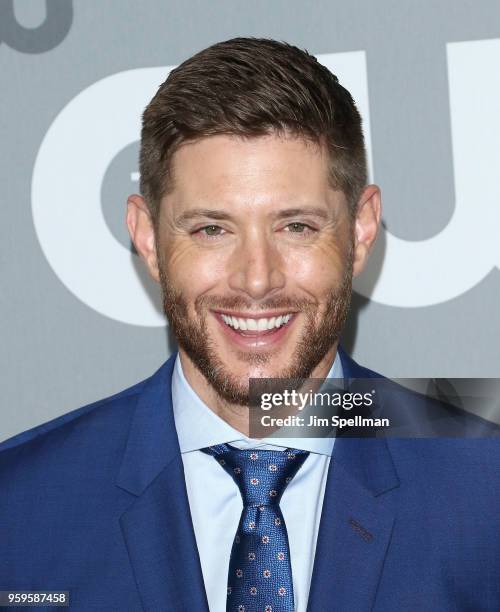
{"points": [[254, 217]]}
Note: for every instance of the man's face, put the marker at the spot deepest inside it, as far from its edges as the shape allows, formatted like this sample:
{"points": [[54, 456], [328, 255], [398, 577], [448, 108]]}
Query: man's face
{"points": [[255, 258]]}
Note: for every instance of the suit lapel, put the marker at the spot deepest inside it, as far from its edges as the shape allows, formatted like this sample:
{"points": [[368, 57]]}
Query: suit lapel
{"points": [[354, 532], [355, 529], [157, 527], [356, 521]]}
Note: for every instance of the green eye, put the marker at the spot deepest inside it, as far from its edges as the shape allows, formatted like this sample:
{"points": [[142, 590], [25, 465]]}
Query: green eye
{"points": [[212, 230], [297, 227]]}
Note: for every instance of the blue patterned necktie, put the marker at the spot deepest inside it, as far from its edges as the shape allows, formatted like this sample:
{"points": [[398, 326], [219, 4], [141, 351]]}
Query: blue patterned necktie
{"points": [[260, 573]]}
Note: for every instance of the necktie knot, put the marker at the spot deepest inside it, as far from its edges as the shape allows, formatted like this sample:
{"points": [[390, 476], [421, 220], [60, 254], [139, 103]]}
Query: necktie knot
{"points": [[261, 475]]}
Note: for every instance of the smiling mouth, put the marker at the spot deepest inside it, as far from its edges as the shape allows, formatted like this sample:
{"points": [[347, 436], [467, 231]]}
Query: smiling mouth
{"points": [[256, 326]]}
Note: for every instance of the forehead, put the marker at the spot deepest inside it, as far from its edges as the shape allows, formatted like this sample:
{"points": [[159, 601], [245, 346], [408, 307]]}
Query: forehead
{"points": [[236, 168]]}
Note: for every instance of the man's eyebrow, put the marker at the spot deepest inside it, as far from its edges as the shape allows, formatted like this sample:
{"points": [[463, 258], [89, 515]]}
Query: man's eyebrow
{"points": [[195, 213], [222, 215], [301, 212]]}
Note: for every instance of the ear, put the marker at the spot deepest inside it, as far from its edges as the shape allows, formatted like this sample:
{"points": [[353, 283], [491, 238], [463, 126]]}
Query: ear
{"points": [[366, 227], [140, 227]]}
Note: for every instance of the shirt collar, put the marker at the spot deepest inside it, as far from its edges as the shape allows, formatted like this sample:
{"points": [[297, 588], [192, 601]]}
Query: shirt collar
{"points": [[198, 426]]}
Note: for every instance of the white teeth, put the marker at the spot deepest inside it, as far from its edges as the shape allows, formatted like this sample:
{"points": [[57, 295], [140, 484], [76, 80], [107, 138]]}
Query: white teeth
{"points": [[256, 324], [262, 324]]}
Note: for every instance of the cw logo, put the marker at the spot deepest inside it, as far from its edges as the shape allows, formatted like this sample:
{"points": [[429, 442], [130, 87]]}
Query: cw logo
{"points": [[49, 34], [105, 118]]}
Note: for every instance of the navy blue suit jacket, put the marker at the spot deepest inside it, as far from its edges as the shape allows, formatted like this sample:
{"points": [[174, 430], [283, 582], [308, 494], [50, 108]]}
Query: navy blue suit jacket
{"points": [[94, 502]]}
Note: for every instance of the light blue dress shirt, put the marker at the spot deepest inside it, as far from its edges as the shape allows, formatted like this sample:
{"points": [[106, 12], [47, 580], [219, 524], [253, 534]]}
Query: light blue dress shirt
{"points": [[215, 500]]}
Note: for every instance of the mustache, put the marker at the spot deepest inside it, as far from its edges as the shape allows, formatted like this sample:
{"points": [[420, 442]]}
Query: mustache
{"points": [[240, 303]]}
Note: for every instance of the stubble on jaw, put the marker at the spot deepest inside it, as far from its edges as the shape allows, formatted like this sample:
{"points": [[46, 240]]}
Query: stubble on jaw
{"points": [[312, 347]]}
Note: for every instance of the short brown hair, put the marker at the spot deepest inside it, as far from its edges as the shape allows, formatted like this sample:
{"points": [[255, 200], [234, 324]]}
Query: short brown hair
{"points": [[251, 87]]}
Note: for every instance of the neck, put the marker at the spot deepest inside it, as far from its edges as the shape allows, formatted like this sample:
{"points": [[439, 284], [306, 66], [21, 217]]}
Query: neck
{"points": [[234, 414]]}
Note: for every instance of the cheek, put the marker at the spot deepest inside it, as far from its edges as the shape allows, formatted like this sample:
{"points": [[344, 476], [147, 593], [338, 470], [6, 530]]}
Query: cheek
{"points": [[317, 269], [192, 270]]}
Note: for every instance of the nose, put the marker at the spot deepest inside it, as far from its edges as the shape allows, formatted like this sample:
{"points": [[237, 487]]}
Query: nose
{"points": [[256, 267]]}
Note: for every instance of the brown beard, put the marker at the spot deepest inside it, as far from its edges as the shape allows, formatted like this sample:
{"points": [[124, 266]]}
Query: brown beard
{"points": [[312, 347]]}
